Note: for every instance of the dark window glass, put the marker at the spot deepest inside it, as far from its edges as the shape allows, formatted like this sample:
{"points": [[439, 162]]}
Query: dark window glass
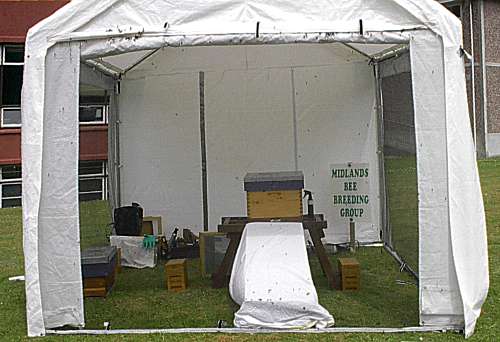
{"points": [[91, 113], [9, 203], [91, 197], [11, 116], [455, 10], [11, 190], [11, 172], [94, 100], [90, 168], [90, 185], [14, 54], [12, 82]]}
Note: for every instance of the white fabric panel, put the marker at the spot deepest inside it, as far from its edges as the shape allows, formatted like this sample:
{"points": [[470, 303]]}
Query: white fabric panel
{"points": [[58, 226], [438, 285], [467, 216], [31, 154], [249, 129], [160, 148], [221, 16], [272, 281], [336, 122], [133, 254]]}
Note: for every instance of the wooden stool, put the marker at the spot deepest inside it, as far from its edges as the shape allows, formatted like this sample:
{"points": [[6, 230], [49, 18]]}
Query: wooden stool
{"points": [[349, 274], [176, 275]]}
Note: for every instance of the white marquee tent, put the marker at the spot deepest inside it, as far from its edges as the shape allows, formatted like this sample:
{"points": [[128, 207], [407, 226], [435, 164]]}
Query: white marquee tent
{"points": [[268, 86]]}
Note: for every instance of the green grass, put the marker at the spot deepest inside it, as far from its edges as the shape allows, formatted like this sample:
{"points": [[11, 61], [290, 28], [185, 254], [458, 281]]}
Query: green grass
{"points": [[402, 197], [139, 299]]}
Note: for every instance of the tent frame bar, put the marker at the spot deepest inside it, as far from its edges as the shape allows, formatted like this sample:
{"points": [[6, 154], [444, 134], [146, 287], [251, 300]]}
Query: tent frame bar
{"points": [[138, 33], [340, 330]]}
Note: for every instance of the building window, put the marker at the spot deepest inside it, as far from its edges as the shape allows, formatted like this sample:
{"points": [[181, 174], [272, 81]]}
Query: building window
{"points": [[93, 108], [10, 186], [11, 82], [93, 114], [92, 180], [13, 55], [10, 117]]}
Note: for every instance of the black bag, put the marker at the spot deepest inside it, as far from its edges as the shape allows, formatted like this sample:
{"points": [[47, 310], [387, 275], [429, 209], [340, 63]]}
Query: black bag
{"points": [[128, 220]]}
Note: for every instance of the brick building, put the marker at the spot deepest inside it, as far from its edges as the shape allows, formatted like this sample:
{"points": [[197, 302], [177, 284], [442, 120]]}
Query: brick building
{"points": [[480, 21], [16, 17]]}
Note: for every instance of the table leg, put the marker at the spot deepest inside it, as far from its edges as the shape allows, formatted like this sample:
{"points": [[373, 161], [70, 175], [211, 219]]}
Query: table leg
{"points": [[319, 249], [219, 278]]}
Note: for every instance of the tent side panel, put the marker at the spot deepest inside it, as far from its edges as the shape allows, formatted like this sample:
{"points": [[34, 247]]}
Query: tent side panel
{"points": [[59, 231], [160, 147], [440, 301], [467, 216]]}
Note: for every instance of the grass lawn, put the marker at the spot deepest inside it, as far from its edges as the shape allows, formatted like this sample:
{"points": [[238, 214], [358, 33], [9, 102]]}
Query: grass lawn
{"points": [[139, 298], [401, 179]]}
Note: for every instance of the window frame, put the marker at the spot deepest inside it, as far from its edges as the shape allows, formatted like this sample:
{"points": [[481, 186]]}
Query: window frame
{"points": [[4, 52], [104, 120], [4, 125], [102, 176], [13, 181]]}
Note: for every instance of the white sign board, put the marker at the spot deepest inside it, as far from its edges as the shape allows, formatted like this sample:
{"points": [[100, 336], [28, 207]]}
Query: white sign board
{"points": [[351, 192]]}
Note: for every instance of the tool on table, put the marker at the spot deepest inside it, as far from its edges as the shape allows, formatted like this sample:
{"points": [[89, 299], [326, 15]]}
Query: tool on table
{"points": [[352, 236], [173, 239], [310, 203]]}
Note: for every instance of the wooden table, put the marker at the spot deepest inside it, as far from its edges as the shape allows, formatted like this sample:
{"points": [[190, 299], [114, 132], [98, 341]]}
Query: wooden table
{"points": [[234, 226]]}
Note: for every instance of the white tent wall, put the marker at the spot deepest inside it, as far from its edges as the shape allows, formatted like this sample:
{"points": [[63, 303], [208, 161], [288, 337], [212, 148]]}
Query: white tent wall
{"points": [[250, 127], [160, 147], [337, 124], [53, 275], [440, 301], [49, 201]]}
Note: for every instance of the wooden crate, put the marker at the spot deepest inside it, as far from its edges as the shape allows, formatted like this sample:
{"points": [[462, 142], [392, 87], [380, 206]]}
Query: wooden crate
{"points": [[274, 204], [98, 286], [176, 275], [349, 274]]}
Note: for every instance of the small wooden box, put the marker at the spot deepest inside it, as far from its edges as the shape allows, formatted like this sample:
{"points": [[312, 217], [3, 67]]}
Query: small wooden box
{"points": [[176, 275], [349, 274], [274, 194], [99, 266]]}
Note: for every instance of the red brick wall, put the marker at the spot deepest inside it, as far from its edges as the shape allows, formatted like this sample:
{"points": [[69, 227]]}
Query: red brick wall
{"points": [[16, 17], [93, 144]]}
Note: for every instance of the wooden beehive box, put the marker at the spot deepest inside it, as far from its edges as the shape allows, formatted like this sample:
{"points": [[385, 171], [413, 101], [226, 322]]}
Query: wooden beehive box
{"points": [[176, 274], [274, 194], [349, 274], [99, 266]]}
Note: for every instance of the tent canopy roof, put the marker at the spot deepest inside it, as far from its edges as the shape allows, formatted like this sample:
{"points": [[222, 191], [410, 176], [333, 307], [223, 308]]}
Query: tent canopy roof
{"points": [[104, 19]]}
